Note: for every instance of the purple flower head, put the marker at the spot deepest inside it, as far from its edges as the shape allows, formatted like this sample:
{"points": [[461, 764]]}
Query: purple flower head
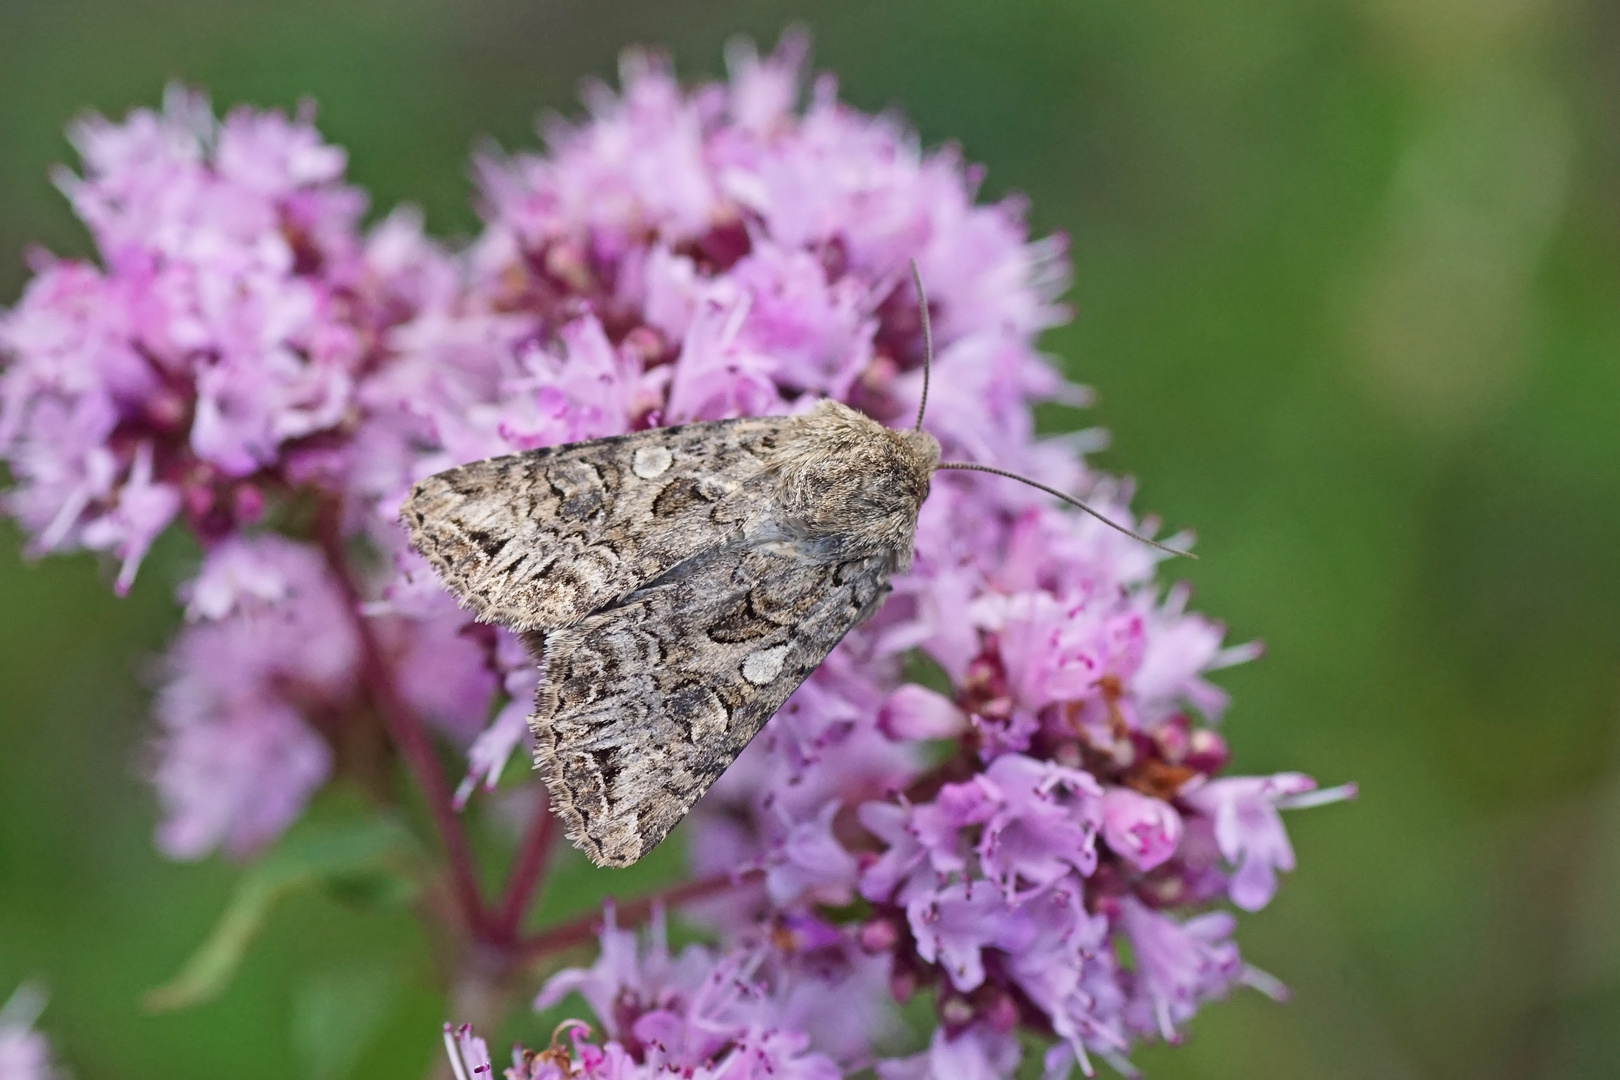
{"points": [[219, 338]]}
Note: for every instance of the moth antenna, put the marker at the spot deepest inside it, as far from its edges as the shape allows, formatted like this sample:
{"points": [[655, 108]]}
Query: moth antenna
{"points": [[1070, 499], [928, 341]]}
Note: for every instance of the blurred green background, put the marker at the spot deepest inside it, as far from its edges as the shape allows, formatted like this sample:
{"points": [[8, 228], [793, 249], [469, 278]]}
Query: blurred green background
{"points": [[1348, 287]]}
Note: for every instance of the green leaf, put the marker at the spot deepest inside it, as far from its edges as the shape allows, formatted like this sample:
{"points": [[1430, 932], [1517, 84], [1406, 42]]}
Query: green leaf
{"points": [[314, 853], [336, 1015]]}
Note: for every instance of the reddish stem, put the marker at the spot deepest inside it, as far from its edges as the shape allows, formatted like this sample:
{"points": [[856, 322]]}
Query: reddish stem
{"points": [[407, 733], [583, 929], [527, 873]]}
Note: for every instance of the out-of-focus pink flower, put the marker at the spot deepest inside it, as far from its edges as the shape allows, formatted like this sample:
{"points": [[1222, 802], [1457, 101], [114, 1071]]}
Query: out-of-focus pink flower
{"points": [[469, 1054], [490, 751], [225, 325], [142, 511], [270, 653], [24, 1052], [914, 712], [443, 667], [977, 1053]]}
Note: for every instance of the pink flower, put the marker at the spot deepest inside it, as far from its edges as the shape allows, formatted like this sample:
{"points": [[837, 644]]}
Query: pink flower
{"points": [[954, 926], [142, 511], [979, 1053], [1140, 828], [1069, 971], [1250, 831], [701, 1013], [1178, 965], [24, 1053], [1039, 822], [490, 751], [469, 1056], [913, 712], [1060, 649], [270, 651], [226, 322]]}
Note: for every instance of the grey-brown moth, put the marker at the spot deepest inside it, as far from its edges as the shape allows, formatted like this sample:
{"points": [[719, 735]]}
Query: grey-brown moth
{"points": [[675, 585]]}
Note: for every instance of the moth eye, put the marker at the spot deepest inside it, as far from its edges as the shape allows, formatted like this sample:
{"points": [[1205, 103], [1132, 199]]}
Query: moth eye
{"points": [[651, 461]]}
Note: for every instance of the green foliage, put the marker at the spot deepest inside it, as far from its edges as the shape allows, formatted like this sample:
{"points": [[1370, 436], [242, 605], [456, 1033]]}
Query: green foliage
{"points": [[364, 859], [335, 1014]]}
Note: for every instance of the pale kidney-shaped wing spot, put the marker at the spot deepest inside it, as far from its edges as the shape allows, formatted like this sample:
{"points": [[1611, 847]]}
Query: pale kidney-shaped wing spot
{"points": [[651, 461], [765, 665]]}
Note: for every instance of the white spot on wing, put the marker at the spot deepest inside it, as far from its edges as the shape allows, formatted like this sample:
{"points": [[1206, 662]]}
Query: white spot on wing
{"points": [[651, 461], [765, 665]]}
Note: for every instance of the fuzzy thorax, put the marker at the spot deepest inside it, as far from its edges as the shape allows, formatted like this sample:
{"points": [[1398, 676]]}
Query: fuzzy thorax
{"points": [[851, 483]]}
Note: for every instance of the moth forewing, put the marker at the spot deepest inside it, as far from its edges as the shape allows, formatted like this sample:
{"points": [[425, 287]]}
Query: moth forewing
{"points": [[680, 584], [541, 539], [644, 705]]}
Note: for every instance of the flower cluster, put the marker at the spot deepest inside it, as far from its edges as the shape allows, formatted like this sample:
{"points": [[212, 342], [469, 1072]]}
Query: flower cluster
{"points": [[778, 1003], [217, 343], [1035, 831]]}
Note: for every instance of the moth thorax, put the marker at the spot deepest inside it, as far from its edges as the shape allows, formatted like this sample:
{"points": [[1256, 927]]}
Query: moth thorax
{"points": [[854, 483]]}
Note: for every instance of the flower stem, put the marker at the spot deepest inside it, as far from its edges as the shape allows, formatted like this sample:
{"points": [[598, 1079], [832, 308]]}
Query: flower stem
{"points": [[528, 872], [407, 732], [578, 931]]}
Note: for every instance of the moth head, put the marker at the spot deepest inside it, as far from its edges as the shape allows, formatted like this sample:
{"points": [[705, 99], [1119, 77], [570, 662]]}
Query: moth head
{"points": [[853, 483]]}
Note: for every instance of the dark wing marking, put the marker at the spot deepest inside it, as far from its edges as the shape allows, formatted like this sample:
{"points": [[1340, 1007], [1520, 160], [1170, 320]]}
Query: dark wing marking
{"points": [[643, 705], [541, 539]]}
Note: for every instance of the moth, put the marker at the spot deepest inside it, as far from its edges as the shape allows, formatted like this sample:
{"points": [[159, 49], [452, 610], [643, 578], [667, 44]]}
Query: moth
{"points": [[675, 586]]}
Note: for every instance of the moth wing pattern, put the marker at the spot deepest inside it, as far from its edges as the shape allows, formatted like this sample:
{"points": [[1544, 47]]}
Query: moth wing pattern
{"points": [[541, 539], [642, 706]]}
